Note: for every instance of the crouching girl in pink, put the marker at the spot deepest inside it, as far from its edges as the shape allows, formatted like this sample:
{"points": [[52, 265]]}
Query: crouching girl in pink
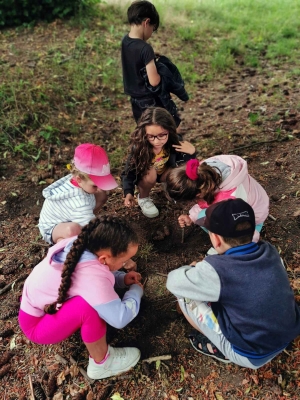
{"points": [[215, 179], [73, 288]]}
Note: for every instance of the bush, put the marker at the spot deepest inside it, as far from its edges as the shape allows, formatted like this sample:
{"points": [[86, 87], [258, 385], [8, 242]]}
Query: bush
{"points": [[18, 12]]}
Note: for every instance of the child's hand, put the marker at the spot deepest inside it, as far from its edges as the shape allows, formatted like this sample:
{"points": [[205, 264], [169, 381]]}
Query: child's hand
{"points": [[184, 220], [129, 200], [129, 265], [185, 147], [133, 277]]}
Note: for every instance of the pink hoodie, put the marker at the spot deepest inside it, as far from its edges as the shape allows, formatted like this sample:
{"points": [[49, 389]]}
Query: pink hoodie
{"points": [[239, 184]]}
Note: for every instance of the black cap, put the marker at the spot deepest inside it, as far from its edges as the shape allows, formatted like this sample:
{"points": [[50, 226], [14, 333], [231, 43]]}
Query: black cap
{"points": [[222, 218]]}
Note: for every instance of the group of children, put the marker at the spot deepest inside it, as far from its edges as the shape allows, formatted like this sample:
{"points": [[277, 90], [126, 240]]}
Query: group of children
{"points": [[238, 298]]}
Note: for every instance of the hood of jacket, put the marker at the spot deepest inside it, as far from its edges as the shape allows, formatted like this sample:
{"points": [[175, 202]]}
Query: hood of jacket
{"points": [[239, 171], [61, 189]]}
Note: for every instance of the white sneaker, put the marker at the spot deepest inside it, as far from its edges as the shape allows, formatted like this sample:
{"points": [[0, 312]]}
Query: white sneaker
{"points": [[148, 208], [120, 359]]}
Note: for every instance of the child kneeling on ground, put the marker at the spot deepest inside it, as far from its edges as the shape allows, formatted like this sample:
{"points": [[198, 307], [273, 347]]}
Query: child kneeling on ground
{"points": [[72, 201], [239, 301], [83, 273]]}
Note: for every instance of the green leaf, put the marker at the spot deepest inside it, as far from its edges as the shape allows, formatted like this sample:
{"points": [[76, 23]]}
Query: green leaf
{"points": [[182, 372]]}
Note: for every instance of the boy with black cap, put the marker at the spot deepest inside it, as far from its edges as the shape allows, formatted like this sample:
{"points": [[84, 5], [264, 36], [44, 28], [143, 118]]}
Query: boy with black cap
{"points": [[239, 301]]}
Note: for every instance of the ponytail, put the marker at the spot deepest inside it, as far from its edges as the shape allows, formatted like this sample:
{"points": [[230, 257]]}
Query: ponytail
{"points": [[193, 180]]}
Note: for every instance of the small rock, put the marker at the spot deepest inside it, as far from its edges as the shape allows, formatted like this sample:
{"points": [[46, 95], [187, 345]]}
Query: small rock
{"points": [[275, 197]]}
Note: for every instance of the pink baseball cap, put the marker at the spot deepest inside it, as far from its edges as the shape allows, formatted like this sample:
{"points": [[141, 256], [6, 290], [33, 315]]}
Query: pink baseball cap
{"points": [[93, 160]]}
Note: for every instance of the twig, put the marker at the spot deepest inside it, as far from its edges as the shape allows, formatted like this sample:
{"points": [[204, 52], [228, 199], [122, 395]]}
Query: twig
{"points": [[158, 358], [82, 371], [272, 218], [256, 143], [49, 156], [65, 60], [31, 388], [145, 281], [61, 359], [182, 235], [40, 244], [158, 273], [7, 287]]}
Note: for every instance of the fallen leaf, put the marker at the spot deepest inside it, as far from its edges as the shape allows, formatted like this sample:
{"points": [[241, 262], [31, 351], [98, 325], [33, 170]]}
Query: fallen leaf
{"points": [[219, 396], [116, 396], [60, 378], [12, 344], [74, 370], [296, 213], [90, 396], [255, 379], [58, 396]]}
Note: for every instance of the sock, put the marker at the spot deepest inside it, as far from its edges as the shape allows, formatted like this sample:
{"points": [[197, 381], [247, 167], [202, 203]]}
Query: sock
{"points": [[104, 359]]}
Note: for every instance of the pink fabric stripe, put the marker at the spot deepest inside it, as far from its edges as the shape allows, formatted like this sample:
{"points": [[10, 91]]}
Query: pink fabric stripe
{"points": [[74, 314]]}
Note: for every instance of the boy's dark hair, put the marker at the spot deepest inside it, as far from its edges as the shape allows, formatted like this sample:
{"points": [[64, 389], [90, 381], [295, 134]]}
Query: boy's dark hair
{"points": [[141, 150], [240, 240], [180, 187], [105, 232], [140, 10]]}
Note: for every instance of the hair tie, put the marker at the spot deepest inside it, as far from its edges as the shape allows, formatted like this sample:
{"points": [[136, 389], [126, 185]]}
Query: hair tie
{"points": [[191, 169]]}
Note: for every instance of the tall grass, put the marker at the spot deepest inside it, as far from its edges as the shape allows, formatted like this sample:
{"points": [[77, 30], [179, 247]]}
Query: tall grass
{"points": [[235, 28]]}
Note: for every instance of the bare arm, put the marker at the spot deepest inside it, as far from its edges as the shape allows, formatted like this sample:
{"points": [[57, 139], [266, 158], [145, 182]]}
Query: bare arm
{"points": [[153, 76]]}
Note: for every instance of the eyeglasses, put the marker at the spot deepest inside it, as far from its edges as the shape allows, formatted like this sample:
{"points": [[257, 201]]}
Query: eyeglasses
{"points": [[160, 136]]}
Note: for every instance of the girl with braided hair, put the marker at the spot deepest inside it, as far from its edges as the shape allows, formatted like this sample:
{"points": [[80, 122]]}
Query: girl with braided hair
{"points": [[215, 179], [73, 288], [154, 149]]}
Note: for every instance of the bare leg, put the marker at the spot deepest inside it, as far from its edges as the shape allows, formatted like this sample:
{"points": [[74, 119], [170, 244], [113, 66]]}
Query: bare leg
{"points": [[147, 183], [98, 349], [101, 198], [65, 230]]}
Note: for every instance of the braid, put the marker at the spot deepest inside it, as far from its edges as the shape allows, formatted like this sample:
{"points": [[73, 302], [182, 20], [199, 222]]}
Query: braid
{"points": [[104, 232], [72, 259]]}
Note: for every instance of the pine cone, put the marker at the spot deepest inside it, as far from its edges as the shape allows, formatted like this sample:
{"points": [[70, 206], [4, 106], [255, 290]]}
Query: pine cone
{"points": [[13, 312], [6, 333], [38, 391], [6, 356], [50, 386], [4, 370]]}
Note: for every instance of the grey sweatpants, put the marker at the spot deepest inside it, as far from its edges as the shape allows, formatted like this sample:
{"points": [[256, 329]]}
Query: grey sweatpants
{"points": [[201, 316]]}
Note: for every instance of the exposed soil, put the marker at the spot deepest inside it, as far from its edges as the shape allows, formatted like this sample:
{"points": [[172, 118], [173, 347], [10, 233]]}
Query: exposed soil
{"points": [[217, 119]]}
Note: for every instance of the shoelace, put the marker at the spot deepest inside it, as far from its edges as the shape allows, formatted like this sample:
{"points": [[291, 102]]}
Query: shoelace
{"points": [[146, 203]]}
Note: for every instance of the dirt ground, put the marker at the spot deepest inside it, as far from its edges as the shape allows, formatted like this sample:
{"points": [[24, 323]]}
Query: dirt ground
{"points": [[249, 112]]}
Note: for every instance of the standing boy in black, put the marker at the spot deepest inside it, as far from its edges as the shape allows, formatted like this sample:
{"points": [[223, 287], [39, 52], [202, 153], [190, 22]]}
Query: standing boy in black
{"points": [[137, 54]]}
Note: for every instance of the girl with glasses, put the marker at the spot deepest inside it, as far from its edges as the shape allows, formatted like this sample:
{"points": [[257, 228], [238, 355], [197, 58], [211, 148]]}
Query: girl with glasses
{"points": [[154, 149]]}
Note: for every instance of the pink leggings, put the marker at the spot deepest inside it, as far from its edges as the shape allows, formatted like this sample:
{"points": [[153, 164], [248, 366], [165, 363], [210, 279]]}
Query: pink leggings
{"points": [[74, 314]]}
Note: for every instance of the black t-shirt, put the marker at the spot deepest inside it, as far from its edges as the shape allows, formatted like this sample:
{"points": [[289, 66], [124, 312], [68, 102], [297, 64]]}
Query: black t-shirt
{"points": [[135, 54]]}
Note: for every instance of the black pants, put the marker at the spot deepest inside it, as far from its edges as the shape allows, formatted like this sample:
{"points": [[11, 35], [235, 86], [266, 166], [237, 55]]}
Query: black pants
{"points": [[139, 105]]}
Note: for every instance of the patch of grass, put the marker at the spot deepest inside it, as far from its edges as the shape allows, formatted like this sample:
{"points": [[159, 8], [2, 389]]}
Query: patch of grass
{"points": [[145, 250], [253, 118]]}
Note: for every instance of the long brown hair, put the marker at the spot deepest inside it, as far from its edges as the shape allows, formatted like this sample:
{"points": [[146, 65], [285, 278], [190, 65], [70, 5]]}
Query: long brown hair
{"points": [[180, 187], [140, 149], [105, 232]]}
